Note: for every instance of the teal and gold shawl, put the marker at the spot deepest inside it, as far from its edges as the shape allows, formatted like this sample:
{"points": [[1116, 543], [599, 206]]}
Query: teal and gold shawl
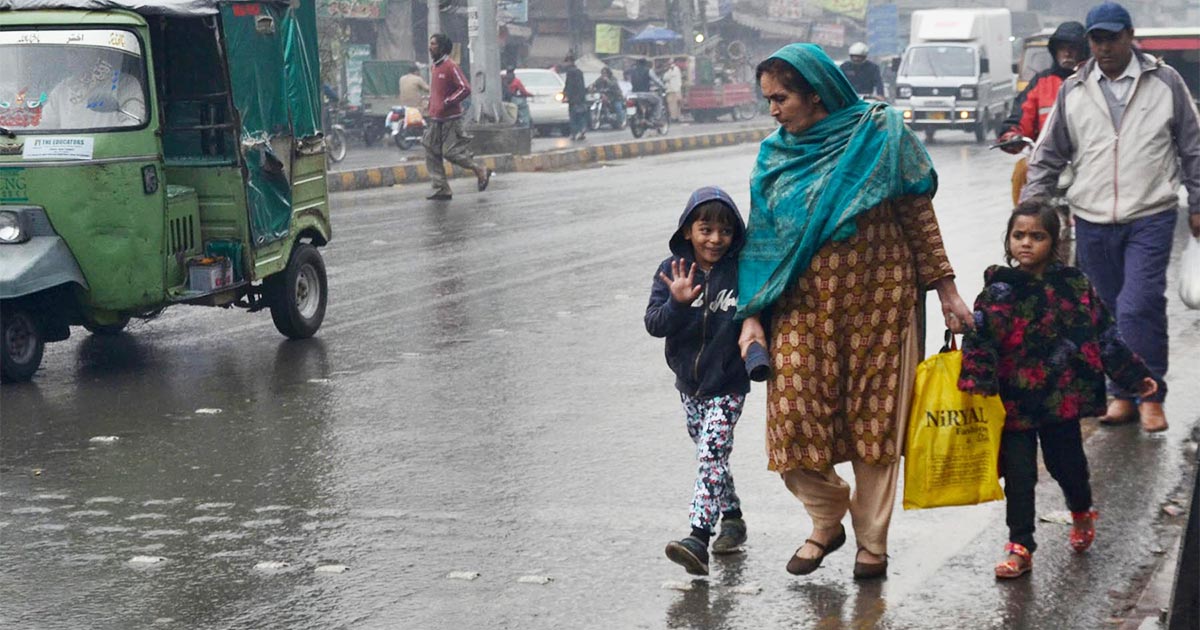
{"points": [[807, 189]]}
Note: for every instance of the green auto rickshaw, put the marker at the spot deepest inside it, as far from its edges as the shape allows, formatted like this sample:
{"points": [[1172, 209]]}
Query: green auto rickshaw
{"points": [[152, 153]]}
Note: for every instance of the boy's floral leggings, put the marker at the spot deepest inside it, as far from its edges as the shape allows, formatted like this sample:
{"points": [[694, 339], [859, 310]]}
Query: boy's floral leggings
{"points": [[710, 422]]}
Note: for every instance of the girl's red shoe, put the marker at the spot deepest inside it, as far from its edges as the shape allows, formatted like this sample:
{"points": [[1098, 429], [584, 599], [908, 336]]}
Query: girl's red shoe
{"points": [[1083, 530], [1011, 568]]}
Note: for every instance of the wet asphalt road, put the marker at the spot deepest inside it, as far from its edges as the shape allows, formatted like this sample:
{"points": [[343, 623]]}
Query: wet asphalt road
{"points": [[359, 156], [483, 399]]}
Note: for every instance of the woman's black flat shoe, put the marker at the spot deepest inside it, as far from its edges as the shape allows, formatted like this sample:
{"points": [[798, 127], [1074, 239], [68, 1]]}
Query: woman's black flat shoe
{"points": [[804, 566], [870, 571]]}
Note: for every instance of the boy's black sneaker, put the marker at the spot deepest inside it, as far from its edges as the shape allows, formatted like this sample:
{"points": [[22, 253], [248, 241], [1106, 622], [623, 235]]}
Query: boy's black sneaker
{"points": [[689, 553], [732, 537]]}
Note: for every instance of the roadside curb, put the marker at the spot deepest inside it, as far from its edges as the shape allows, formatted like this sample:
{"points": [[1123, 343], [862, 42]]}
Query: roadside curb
{"points": [[1150, 610], [382, 176]]}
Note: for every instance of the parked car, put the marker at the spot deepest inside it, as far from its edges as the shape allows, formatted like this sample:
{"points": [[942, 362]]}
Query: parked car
{"points": [[547, 110]]}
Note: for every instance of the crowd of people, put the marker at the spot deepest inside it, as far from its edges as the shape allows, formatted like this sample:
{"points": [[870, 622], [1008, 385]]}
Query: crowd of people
{"points": [[829, 272]]}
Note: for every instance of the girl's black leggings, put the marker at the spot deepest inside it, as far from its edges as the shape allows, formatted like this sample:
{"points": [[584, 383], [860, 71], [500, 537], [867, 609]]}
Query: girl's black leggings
{"points": [[1062, 451]]}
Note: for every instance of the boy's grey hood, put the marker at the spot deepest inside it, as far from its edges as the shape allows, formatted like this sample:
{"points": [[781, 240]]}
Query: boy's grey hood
{"points": [[681, 247]]}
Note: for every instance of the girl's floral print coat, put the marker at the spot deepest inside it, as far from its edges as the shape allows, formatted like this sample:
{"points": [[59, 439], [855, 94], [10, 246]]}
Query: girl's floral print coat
{"points": [[1045, 344]]}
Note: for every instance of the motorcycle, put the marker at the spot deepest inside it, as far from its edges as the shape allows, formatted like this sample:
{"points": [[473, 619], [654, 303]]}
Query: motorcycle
{"points": [[647, 110], [602, 110], [1066, 241], [405, 125]]}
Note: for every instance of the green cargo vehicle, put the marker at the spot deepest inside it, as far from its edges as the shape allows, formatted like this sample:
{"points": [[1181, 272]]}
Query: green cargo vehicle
{"points": [[155, 153]]}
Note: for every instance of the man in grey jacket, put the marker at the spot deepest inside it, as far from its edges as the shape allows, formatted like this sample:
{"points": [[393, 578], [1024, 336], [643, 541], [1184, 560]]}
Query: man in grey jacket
{"points": [[1130, 131]]}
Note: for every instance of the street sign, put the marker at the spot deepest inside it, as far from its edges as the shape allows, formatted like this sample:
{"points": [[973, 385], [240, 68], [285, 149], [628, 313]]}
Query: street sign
{"points": [[513, 11], [883, 30]]}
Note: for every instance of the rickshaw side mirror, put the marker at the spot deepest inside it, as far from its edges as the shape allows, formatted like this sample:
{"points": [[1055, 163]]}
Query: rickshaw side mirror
{"points": [[264, 25]]}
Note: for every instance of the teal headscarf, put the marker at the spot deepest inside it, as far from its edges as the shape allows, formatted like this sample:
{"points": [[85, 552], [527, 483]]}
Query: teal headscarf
{"points": [[808, 188]]}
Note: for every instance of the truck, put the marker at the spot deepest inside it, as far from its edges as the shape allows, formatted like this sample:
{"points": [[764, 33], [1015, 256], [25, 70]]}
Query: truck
{"points": [[957, 72]]}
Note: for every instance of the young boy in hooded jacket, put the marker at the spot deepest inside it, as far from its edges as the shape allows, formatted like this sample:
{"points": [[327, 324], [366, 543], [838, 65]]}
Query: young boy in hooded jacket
{"points": [[692, 304]]}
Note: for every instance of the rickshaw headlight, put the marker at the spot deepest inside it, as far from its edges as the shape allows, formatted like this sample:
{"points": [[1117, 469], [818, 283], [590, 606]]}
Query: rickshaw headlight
{"points": [[12, 229]]}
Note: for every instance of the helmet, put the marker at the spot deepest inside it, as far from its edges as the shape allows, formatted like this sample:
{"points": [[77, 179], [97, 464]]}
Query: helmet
{"points": [[859, 49]]}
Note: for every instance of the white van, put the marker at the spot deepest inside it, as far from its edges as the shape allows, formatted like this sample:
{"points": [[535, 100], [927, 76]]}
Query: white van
{"points": [[957, 71]]}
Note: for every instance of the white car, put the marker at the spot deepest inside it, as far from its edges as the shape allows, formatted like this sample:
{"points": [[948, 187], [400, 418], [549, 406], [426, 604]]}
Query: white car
{"points": [[546, 106]]}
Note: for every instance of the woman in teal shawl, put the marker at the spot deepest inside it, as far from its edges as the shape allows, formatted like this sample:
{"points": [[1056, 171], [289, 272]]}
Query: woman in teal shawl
{"points": [[841, 244]]}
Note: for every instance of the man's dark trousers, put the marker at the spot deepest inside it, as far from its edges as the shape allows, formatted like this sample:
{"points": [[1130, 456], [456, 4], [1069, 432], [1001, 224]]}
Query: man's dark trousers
{"points": [[1127, 263]]}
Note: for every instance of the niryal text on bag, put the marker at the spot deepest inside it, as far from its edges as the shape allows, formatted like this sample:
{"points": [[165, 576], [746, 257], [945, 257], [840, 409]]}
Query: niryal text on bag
{"points": [[953, 440]]}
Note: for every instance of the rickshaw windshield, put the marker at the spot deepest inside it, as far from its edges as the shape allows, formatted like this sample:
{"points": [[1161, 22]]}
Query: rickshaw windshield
{"points": [[71, 80]]}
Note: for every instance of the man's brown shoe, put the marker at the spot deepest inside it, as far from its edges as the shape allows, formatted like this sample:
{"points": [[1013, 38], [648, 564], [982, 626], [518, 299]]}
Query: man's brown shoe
{"points": [[1153, 418], [1120, 411]]}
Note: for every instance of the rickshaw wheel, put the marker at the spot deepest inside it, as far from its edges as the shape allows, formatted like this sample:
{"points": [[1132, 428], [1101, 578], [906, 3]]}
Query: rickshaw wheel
{"points": [[746, 111], [298, 294], [21, 345]]}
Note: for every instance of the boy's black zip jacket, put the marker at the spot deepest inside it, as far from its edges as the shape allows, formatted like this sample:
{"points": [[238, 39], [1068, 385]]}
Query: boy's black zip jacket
{"points": [[702, 346]]}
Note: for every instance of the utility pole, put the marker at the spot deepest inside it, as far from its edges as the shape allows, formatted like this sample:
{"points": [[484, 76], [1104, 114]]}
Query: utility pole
{"points": [[434, 22], [687, 24], [576, 19], [483, 41]]}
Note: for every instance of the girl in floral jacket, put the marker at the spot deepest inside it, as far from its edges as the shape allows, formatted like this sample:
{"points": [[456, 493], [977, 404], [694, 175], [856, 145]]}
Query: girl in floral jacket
{"points": [[1043, 341]]}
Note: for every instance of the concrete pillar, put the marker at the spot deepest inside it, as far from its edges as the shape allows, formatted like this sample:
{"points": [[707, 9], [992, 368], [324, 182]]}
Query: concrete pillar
{"points": [[483, 40]]}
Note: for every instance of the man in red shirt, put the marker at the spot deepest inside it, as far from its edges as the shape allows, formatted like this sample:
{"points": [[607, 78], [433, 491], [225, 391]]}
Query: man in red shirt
{"points": [[444, 138]]}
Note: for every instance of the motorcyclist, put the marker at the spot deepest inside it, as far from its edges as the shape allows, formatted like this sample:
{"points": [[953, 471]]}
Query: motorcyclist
{"points": [[644, 81], [1069, 48], [515, 93], [608, 85], [863, 73]]}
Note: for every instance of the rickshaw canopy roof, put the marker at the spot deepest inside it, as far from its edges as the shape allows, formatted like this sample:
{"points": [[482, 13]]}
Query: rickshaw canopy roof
{"points": [[177, 8]]}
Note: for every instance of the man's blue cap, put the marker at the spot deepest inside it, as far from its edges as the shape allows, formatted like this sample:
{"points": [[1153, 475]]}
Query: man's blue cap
{"points": [[1109, 16]]}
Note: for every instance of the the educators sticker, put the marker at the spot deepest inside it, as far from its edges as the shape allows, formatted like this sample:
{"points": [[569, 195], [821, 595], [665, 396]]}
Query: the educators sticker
{"points": [[58, 148]]}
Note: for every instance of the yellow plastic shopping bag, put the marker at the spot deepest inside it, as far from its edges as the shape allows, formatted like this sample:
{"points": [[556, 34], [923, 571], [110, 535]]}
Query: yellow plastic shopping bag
{"points": [[953, 439]]}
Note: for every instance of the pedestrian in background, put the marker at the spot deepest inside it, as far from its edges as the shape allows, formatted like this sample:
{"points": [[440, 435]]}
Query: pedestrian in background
{"points": [[672, 78], [1043, 340], [1127, 125], [575, 94], [444, 138], [841, 246], [692, 304]]}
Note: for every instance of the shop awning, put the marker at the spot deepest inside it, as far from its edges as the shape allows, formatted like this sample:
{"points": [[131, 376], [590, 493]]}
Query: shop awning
{"points": [[795, 31]]}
